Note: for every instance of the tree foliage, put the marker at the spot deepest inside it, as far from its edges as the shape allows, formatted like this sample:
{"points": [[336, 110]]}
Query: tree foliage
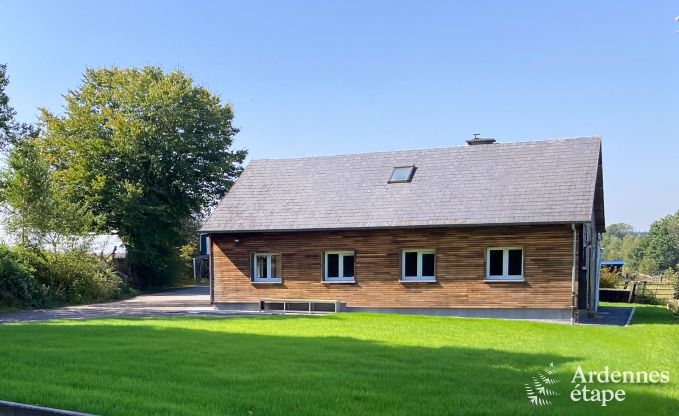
{"points": [[663, 242], [35, 211], [25, 192], [658, 251], [618, 242], [6, 111], [619, 230], [148, 152], [10, 130], [18, 287]]}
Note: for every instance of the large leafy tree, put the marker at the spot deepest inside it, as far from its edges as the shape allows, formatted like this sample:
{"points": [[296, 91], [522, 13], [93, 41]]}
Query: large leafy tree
{"points": [[663, 242], [658, 251], [6, 111], [149, 152], [11, 131]]}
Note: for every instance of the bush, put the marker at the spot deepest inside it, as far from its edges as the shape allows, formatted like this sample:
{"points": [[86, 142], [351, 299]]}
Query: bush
{"points": [[17, 285], [74, 277], [608, 279], [186, 254], [648, 296], [79, 277]]}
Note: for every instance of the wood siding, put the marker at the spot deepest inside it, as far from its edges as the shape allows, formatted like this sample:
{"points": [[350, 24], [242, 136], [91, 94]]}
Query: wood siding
{"points": [[460, 267]]}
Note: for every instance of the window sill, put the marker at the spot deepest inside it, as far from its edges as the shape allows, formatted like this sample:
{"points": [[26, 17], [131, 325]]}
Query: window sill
{"points": [[267, 282], [423, 280], [504, 280], [332, 282]]}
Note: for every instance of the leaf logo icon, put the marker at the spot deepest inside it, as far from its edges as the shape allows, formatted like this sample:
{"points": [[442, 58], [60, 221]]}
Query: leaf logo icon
{"points": [[537, 391]]}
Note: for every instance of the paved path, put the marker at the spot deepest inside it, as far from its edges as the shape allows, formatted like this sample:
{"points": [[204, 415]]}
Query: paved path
{"points": [[177, 302], [195, 301], [609, 315]]}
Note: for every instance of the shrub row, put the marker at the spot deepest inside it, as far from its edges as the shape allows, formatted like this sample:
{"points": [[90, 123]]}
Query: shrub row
{"points": [[36, 278]]}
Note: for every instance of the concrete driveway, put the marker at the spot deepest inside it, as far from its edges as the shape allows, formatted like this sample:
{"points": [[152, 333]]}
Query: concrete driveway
{"points": [[177, 302]]}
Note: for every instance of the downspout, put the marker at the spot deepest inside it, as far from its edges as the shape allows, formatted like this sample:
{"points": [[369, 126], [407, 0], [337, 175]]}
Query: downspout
{"points": [[573, 276], [211, 269], [597, 280]]}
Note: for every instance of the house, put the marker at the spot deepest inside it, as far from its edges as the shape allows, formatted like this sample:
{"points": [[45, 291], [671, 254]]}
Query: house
{"points": [[487, 229]]}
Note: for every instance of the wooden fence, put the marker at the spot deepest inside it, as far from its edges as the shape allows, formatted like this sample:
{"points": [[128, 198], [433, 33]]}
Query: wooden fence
{"points": [[643, 290], [663, 291]]}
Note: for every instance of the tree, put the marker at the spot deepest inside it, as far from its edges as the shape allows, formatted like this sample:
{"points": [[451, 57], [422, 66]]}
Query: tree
{"points": [[619, 230], [618, 241], [149, 152], [637, 255], [658, 251], [25, 192], [34, 210], [628, 243], [6, 111], [10, 131], [611, 246], [663, 242]]}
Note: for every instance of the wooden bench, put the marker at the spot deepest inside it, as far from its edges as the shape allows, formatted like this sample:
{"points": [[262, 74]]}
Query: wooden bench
{"points": [[310, 302]]}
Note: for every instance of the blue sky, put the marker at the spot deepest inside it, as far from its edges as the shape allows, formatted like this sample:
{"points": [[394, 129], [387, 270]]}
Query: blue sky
{"points": [[320, 77]]}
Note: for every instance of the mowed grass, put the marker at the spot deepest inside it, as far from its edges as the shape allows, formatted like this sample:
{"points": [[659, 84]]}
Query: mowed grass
{"points": [[355, 364]]}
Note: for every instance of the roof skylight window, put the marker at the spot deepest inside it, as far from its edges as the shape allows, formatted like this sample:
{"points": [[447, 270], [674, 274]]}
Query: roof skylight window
{"points": [[402, 174]]}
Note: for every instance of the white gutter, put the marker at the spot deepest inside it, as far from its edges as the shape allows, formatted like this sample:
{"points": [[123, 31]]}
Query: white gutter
{"points": [[573, 275]]}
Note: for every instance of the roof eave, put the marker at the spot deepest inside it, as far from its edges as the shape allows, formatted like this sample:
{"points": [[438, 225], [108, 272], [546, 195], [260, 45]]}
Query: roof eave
{"points": [[394, 227]]}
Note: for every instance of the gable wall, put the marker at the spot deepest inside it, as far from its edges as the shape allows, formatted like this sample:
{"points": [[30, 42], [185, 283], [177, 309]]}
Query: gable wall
{"points": [[460, 267]]}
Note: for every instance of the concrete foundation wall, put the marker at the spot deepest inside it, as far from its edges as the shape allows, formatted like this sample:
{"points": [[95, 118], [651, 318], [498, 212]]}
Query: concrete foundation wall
{"points": [[524, 313]]}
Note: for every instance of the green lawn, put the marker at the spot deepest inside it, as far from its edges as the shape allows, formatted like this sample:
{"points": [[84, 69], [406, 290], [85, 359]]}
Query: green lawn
{"points": [[354, 364]]}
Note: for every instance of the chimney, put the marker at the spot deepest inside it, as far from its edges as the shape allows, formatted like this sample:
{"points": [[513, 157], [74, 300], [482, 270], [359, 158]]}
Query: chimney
{"points": [[480, 140]]}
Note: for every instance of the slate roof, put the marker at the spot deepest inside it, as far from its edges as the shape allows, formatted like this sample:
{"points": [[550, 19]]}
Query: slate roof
{"points": [[503, 183]]}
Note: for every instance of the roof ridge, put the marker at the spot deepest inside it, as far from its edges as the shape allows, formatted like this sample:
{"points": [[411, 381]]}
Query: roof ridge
{"points": [[430, 149]]}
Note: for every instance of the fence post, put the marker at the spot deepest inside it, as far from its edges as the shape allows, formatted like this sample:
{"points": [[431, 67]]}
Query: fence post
{"points": [[633, 293]]}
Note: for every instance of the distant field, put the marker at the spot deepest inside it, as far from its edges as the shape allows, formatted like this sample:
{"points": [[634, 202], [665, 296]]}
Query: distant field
{"points": [[355, 364]]}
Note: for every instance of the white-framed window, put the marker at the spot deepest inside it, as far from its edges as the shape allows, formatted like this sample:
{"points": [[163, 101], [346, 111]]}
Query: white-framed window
{"points": [[338, 266], [266, 267], [418, 265], [504, 263]]}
